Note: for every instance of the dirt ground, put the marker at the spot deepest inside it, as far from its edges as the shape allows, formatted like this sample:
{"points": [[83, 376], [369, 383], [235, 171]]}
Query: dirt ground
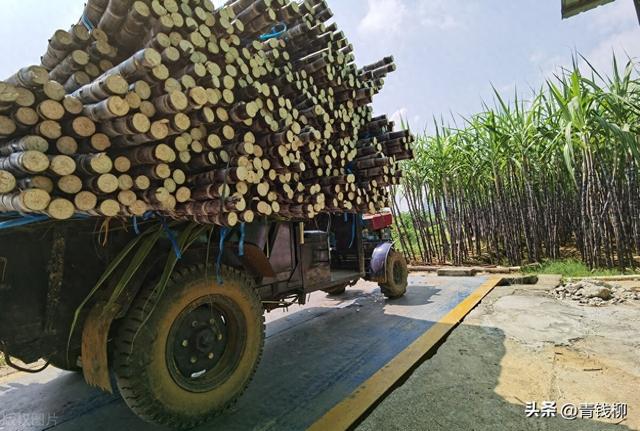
{"points": [[522, 345]]}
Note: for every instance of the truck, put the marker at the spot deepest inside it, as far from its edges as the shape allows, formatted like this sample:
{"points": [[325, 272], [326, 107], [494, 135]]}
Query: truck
{"points": [[182, 331]]}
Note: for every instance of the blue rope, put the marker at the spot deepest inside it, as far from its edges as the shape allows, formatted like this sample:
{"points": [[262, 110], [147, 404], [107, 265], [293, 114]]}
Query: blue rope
{"points": [[172, 238], [276, 31], [165, 226], [223, 236], [23, 221], [242, 237], [147, 216], [27, 219], [87, 22], [349, 168]]}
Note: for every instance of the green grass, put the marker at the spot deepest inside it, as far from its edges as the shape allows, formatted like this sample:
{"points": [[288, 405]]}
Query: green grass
{"points": [[2, 362], [570, 268]]}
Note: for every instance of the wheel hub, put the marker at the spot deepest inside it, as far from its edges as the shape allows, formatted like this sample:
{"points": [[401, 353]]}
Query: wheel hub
{"points": [[205, 340], [199, 341]]}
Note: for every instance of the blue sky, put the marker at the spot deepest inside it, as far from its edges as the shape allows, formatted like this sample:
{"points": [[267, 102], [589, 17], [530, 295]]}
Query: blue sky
{"points": [[449, 52]]}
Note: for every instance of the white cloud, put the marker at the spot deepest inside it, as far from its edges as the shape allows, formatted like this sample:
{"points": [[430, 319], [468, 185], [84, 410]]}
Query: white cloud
{"points": [[399, 116], [615, 16], [383, 17], [548, 64], [22, 44], [415, 121], [537, 57], [624, 44], [507, 90], [391, 17], [437, 14], [617, 26]]}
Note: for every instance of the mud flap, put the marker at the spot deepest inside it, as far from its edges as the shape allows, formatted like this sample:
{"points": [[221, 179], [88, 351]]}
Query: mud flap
{"points": [[95, 334]]}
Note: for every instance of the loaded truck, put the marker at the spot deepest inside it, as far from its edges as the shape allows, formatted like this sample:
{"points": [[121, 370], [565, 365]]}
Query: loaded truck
{"points": [[182, 354]]}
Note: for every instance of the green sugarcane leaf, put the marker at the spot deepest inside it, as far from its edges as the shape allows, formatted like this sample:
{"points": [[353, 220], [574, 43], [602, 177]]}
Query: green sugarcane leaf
{"points": [[187, 237], [561, 102], [113, 266], [144, 250], [569, 157]]}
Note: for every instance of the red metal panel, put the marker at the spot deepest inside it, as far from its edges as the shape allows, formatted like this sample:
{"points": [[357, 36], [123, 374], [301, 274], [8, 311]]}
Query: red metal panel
{"points": [[379, 221]]}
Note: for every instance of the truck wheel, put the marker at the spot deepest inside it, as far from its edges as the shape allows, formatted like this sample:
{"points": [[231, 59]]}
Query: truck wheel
{"points": [[336, 291], [185, 356], [396, 285]]}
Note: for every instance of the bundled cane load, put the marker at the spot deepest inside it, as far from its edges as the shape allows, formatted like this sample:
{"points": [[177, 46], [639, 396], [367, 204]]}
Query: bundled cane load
{"points": [[213, 115]]}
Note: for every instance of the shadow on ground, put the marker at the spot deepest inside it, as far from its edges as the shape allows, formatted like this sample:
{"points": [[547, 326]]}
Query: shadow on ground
{"points": [[456, 390]]}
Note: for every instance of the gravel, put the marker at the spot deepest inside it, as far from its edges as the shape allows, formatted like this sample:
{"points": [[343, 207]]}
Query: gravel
{"points": [[596, 293]]}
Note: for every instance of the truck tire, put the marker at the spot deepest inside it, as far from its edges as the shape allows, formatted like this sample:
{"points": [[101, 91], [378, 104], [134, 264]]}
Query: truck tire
{"points": [[398, 274], [193, 356], [337, 290]]}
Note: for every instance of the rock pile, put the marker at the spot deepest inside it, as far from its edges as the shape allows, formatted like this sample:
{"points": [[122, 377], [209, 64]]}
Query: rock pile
{"points": [[596, 293]]}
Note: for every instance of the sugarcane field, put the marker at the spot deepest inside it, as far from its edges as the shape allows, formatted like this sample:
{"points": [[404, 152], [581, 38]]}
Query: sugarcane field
{"points": [[320, 215]]}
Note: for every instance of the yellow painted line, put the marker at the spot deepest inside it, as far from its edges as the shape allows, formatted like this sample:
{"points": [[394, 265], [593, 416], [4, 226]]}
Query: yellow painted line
{"points": [[348, 411]]}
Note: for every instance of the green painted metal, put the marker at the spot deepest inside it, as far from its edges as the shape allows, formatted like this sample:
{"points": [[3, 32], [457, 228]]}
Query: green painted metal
{"points": [[574, 7]]}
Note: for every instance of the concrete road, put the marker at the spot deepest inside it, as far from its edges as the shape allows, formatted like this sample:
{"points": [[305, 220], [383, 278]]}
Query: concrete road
{"points": [[315, 356], [522, 345]]}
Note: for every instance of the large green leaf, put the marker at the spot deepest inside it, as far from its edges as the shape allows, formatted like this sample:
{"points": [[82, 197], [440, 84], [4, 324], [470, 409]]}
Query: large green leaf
{"points": [[111, 268], [144, 250], [189, 234]]}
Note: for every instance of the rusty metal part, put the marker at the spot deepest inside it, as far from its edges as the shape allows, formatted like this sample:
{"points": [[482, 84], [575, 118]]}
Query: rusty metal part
{"points": [[95, 333]]}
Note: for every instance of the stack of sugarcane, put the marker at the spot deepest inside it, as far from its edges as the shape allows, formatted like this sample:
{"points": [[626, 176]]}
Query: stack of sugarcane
{"points": [[211, 115]]}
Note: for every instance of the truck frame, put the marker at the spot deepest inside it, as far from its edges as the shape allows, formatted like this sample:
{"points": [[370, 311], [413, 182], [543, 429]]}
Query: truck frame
{"points": [[184, 353]]}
